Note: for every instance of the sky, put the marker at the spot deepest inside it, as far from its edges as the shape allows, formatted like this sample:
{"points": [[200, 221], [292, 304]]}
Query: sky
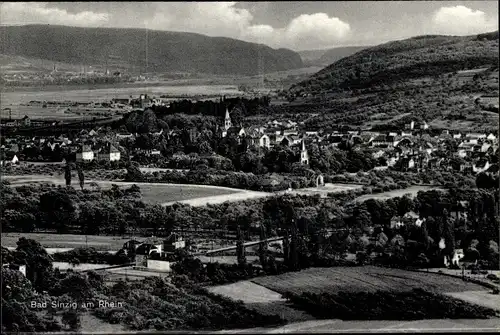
{"points": [[296, 25]]}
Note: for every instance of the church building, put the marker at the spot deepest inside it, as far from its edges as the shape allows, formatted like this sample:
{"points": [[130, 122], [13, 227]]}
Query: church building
{"points": [[230, 130]]}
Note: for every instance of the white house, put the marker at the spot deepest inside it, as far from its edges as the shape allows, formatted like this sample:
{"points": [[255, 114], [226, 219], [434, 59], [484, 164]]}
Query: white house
{"points": [[264, 141], [84, 154], [491, 137], [458, 254]]}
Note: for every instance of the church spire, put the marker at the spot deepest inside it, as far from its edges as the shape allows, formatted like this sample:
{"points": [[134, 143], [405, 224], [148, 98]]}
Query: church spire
{"points": [[304, 156], [227, 120]]}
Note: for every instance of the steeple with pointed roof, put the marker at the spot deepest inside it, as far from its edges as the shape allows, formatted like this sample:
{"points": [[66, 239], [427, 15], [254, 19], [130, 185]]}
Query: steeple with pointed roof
{"points": [[304, 156], [227, 120]]}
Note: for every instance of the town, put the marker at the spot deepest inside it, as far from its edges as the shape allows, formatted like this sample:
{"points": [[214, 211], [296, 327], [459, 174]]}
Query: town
{"points": [[414, 148]]}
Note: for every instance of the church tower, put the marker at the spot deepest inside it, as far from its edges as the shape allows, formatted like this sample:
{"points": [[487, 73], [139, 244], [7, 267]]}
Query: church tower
{"points": [[304, 156], [227, 120]]}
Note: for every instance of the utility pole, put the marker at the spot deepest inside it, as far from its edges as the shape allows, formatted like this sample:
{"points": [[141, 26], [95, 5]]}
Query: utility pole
{"points": [[147, 37]]}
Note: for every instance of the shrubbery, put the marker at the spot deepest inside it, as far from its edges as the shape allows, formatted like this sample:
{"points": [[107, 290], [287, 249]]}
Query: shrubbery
{"points": [[91, 256], [414, 305]]}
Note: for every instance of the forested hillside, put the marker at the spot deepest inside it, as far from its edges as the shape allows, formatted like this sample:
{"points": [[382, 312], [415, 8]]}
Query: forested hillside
{"points": [[440, 79], [399, 61], [145, 51]]}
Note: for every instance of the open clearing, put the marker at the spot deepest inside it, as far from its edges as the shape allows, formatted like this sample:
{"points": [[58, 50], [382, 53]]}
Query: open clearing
{"points": [[362, 279], [261, 299], [47, 240], [412, 190], [152, 193]]}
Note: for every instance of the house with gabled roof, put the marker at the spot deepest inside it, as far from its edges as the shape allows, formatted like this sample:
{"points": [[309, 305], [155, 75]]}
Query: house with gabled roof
{"points": [[259, 140], [108, 153], [84, 154]]}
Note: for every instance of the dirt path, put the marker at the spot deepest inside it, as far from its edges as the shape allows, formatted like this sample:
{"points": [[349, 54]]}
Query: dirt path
{"points": [[218, 199]]}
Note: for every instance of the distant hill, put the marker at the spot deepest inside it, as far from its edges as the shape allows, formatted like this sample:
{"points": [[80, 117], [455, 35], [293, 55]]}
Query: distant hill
{"points": [[327, 56], [126, 48], [399, 61]]}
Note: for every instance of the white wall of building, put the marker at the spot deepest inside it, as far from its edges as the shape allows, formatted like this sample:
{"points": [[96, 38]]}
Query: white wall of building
{"points": [[159, 265]]}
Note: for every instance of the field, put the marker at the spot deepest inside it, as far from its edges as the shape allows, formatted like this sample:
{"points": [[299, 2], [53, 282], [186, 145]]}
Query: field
{"points": [[362, 279], [261, 299], [39, 113], [412, 190], [152, 193], [83, 94], [102, 243]]}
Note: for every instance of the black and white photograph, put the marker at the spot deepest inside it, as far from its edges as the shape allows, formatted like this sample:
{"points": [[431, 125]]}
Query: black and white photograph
{"points": [[249, 167]]}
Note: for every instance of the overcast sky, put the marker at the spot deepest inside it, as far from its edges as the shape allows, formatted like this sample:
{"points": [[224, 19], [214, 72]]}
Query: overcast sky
{"points": [[294, 25]]}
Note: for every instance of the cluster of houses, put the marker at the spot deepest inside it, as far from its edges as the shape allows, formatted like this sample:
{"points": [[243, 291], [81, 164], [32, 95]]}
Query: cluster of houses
{"points": [[86, 148], [406, 149], [153, 253]]}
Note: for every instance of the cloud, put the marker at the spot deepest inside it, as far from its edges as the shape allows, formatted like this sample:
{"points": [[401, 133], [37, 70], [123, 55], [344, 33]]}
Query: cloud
{"points": [[313, 30], [461, 20], [38, 13], [224, 19]]}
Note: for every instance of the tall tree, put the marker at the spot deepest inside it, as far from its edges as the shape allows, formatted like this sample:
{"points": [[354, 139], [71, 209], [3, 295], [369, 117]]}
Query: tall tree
{"points": [[67, 174], [134, 172], [81, 176]]}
